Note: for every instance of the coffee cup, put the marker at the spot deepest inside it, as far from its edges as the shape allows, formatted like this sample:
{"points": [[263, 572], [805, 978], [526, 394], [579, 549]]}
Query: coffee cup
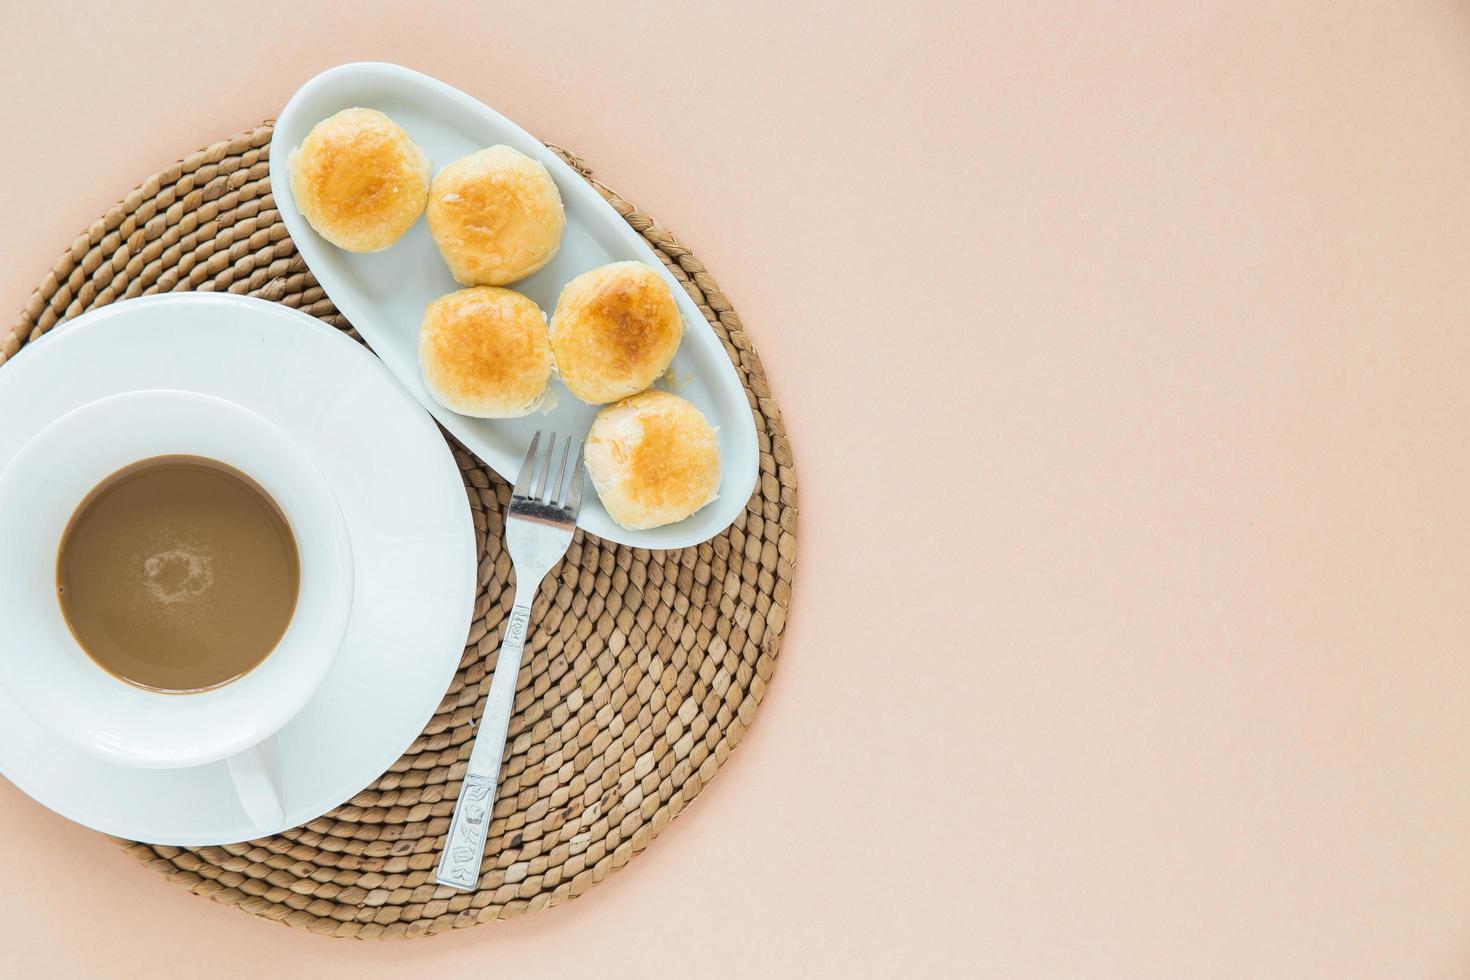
{"points": [[49, 675]]}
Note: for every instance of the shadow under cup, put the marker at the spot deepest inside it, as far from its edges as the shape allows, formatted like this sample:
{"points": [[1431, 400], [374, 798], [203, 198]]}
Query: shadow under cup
{"points": [[53, 679]]}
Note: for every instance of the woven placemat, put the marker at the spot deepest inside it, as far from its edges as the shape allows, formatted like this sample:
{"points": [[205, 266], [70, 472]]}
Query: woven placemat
{"points": [[643, 671]]}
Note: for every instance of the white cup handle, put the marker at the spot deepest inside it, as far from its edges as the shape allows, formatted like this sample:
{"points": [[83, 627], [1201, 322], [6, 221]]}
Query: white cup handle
{"points": [[257, 776]]}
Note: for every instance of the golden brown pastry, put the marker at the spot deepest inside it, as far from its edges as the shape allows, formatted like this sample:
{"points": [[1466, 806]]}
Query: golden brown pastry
{"points": [[654, 460], [483, 352], [359, 180], [496, 216], [615, 330]]}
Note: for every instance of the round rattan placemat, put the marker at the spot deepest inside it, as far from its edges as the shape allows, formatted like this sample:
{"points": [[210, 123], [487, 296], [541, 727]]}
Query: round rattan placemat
{"points": [[643, 671]]}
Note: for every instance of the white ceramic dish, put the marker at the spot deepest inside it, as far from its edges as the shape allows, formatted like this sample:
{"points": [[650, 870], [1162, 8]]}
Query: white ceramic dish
{"points": [[401, 496], [47, 673], [384, 293]]}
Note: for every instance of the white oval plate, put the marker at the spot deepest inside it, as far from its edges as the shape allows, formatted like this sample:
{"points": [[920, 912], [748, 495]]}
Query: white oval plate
{"points": [[384, 293], [413, 547]]}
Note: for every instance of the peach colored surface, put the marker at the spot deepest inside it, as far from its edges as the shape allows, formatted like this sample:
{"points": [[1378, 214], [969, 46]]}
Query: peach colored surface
{"points": [[1165, 306]]}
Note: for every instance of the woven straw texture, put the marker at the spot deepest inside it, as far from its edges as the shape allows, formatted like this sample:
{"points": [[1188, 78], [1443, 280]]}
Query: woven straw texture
{"points": [[643, 671]]}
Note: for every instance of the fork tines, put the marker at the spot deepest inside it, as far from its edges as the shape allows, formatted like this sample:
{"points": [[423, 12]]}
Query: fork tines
{"points": [[534, 480]]}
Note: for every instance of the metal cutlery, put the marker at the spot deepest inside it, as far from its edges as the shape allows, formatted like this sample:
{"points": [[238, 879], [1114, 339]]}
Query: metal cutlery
{"points": [[538, 530]]}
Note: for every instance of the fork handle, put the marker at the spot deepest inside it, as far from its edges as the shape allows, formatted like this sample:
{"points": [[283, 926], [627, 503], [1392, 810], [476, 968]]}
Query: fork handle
{"points": [[459, 866]]}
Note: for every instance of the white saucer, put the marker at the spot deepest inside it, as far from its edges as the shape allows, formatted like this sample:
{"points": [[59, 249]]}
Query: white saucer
{"points": [[412, 539]]}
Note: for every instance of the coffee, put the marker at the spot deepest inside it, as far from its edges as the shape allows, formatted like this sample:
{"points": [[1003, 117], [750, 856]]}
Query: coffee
{"points": [[178, 574]]}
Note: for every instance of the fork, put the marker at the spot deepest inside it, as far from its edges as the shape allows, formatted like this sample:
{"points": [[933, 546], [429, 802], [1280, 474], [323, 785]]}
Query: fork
{"points": [[538, 530]]}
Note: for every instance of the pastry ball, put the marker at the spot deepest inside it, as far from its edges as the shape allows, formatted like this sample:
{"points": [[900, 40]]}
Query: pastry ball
{"points": [[496, 216], [359, 180], [654, 460], [483, 352], [614, 331]]}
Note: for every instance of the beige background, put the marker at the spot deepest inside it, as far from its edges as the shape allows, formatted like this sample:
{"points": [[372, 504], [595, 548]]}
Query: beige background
{"points": [[1124, 351]]}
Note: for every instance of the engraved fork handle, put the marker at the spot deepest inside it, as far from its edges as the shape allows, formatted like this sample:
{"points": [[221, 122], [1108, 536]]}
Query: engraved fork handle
{"points": [[459, 867]]}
